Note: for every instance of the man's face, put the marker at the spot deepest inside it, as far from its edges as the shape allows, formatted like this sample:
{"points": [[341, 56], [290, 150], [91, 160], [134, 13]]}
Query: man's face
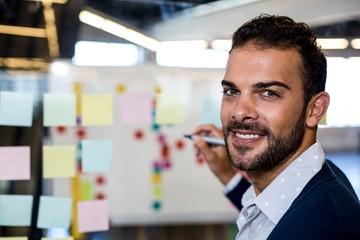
{"points": [[262, 112]]}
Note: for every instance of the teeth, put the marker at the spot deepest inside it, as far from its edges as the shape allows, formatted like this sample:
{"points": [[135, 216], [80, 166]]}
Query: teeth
{"points": [[247, 136]]}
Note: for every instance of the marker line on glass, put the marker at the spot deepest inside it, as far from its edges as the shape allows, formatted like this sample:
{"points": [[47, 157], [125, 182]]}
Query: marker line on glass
{"points": [[209, 140]]}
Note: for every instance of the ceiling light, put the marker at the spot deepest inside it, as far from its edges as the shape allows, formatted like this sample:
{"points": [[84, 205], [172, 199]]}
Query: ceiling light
{"points": [[119, 30], [221, 45], [333, 43], [355, 43], [50, 1], [189, 44], [23, 31]]}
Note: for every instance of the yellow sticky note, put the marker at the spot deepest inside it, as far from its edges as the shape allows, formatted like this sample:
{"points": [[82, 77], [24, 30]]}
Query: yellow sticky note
{"points": [[59, 161], [97, 109], [170, 109]]}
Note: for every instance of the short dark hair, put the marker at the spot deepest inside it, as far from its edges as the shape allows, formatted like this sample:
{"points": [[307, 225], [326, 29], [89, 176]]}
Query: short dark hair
{"points": [[281, 32]]}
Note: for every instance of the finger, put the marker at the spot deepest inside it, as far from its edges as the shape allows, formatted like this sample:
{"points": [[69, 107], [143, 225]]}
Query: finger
{"points": [[204, 148]]}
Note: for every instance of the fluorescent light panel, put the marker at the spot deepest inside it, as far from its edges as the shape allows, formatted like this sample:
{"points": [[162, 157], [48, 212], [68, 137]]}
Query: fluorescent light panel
{"points": [[119, 30], [333, 43], [355, 43]]}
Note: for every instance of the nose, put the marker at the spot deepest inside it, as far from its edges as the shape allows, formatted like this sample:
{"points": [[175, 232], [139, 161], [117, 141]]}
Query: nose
{"points": [[245, 109]]}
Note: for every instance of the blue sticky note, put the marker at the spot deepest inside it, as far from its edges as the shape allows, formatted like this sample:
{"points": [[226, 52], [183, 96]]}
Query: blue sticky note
{"points": [[15, 210], [211, 112], [54, 212], [96, 155], [59, 109], [16, 108]]}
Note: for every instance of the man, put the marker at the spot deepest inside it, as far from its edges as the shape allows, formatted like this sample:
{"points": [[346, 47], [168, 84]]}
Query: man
{"points": [[273, 99]]}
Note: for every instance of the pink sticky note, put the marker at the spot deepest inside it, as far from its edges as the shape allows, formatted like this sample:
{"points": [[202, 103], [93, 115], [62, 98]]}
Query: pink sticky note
{"points": [[15, 163], [136, 107], [93, 216]]}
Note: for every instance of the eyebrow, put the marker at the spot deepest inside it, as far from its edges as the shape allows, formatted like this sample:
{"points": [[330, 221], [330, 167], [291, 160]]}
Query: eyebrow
{"points": [[259, 85]]}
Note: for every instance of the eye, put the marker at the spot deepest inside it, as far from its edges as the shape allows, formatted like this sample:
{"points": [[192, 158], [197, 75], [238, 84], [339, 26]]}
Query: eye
{"points": [[269, 93], [230, 92]]}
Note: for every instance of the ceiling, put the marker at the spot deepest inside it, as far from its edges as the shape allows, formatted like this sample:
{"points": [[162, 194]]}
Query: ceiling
{"points": [[160, 19]]}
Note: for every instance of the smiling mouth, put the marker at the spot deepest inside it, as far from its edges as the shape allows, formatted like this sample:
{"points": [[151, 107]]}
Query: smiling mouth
{"points": [[247, 136]]}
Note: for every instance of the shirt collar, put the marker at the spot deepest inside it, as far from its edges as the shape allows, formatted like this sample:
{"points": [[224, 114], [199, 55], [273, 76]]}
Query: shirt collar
{"points": [[276, 198]]}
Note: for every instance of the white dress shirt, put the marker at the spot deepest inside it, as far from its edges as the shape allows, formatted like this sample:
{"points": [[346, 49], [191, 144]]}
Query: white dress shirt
{"points": [[261, 213]]}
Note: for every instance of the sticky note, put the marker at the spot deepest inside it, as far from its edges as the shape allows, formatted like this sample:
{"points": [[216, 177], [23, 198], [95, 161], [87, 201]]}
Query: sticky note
{"points": [[93, 216], [136, 107], [15, 163], [15, 210], [59, 161], [16, 109], [96, 155], [170, 109], [59, 109], [87, 190], [54, 212], [211, 112], [96, 109], [13, 238]]}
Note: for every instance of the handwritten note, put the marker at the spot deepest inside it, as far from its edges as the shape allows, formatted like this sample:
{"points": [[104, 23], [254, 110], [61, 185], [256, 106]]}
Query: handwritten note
{"points": [[97, 109], [170, 109], [93, 216], [59, 109], [15, 210], [15, 163], [59, 161], [16, 109], [96, 155], [136, 107], [54, 212]]}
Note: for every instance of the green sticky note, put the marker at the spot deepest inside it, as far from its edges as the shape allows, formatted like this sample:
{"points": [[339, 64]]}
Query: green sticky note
{"points": [[59, 109], [54, 212], [170, 109], [96, 109], [96, 155], [59, 161], [87, 190], [16, 109], [15, 210]]}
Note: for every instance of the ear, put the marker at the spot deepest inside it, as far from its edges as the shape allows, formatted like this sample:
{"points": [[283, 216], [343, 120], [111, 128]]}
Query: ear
{"points": [[317, 108]]}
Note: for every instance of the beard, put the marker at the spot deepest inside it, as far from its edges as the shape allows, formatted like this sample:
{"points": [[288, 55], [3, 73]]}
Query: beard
{"points": [[280, 148]]}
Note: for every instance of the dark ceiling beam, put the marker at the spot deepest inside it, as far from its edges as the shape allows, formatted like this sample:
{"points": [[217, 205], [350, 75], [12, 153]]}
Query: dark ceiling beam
{"points": [[68, 25]]}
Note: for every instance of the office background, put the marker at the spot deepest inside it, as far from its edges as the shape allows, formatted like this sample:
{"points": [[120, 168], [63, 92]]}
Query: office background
{"points": [[152, 69]]}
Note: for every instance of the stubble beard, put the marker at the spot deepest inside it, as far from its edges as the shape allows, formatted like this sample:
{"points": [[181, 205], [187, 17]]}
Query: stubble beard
{"points": [[279, 149]]}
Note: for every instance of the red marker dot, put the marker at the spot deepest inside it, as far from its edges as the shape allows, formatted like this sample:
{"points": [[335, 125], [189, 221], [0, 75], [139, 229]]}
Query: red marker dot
{"points": [[180, 144], [61, 129], [139, 134], [100, 196], [100, 180], [81, 133]]}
